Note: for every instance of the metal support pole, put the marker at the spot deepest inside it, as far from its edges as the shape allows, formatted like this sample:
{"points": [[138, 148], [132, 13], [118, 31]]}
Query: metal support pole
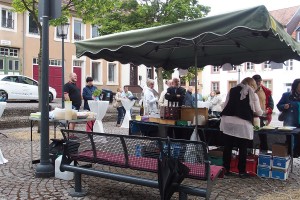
{"points": [[196, 92], [45, 169], [63, 71]]}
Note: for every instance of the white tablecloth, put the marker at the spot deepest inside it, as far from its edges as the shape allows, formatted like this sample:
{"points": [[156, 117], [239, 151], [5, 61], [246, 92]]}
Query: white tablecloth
{"points": [[2, 107], [127, 104], [99, 107]]}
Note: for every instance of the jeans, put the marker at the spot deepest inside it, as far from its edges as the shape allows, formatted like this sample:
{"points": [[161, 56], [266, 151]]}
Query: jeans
{"points": [[121, 114]]}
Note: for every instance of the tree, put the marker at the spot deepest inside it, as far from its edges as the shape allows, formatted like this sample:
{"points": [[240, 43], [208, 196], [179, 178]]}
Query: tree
{"points": [[126, 15]]}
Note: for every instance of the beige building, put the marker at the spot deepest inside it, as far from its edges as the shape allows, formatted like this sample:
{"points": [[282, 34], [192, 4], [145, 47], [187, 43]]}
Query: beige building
{"points": [[19, 47]]}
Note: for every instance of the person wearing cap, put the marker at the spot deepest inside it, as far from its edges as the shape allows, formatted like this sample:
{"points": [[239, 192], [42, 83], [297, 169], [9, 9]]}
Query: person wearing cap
{"points": [[87, 92], [267, 105]]}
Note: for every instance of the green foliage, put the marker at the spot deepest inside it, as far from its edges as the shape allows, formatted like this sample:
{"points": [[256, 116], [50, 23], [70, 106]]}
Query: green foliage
{"points": [[191, 73], [97, 92], [167, 74]]}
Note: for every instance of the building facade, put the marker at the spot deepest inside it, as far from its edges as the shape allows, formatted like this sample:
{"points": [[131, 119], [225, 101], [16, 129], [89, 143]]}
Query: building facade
{"points": [[276, 76], [19, 48]]}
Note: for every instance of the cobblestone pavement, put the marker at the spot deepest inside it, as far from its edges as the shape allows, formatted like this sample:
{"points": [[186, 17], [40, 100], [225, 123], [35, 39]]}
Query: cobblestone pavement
{"points": [[17, 179]]}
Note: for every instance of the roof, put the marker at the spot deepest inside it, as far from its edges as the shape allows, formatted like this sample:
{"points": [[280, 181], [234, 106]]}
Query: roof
{"points": [[284, 15]]}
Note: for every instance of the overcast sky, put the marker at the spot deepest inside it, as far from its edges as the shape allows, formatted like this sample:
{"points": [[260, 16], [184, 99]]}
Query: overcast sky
{"points": [[223, 6]]}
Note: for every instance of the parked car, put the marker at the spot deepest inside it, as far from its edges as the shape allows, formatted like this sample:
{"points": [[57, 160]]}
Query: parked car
{"points": [[18, 87]]}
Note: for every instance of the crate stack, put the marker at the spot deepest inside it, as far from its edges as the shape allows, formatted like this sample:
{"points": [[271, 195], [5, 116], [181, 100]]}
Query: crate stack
{"points": [[275, 165]]}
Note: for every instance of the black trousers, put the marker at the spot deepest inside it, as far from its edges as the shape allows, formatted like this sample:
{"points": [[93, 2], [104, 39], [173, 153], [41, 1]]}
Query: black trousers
{"points": [[263, 141], [241, 144]]}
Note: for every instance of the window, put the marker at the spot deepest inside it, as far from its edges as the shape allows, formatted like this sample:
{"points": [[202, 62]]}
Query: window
{"points": [[112, 72], [96, 71], [32, 26], [28, 81], [215, 86], [268, 84], [7, 19], [231, 84], [234, 67], [215, 69], [266, 65], [77, 63], [249, 66], [192, 82], [35, 61], [55, 62], [8, 52], [149, 72], [1, 64], [95, 32], [288, 64], [78, 30]]}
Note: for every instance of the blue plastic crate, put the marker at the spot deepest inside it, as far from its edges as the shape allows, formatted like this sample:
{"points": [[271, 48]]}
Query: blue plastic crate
{"points": [[263, 171], [280, 174], [281, 162], [265, 160]]}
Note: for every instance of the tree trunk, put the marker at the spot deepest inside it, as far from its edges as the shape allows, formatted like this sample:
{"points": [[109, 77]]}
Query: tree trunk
{"points": [[160, 81]]}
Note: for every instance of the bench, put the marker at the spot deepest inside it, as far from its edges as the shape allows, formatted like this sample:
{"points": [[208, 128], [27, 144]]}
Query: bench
{"points": [[136, 153]]}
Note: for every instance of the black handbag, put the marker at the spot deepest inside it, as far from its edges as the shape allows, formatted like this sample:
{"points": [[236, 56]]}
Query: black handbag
{"points": [[282, 116]]}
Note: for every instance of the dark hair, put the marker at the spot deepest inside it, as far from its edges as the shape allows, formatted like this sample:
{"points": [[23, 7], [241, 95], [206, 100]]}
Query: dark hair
{"points": [[295, 84], [257, 77], [89, 79]]}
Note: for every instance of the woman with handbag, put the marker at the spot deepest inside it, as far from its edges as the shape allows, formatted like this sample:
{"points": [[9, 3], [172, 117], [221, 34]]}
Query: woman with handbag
{"points": [[289, 105], [118, 104]]}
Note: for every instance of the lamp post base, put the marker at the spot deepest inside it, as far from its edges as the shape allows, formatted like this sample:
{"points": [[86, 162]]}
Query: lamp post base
{"points": [[44, 170]]}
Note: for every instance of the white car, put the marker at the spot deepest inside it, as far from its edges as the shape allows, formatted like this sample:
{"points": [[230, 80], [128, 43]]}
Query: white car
{"points": [[18, 87]]}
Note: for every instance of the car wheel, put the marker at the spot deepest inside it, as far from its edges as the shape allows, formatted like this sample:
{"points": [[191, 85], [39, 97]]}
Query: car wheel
{"points": [[3, 96], [50, 97]]}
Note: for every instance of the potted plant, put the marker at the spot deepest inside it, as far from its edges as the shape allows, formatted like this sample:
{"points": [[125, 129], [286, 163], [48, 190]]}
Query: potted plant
{"points": [[97, 94]]}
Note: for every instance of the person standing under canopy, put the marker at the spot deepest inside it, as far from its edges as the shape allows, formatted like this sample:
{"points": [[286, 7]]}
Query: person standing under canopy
{"points": [[176, 93], [267, 105], [241, 105]]}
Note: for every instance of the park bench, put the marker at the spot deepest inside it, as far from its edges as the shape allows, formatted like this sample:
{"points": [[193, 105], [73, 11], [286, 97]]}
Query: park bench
{"points": [[136, 153]]}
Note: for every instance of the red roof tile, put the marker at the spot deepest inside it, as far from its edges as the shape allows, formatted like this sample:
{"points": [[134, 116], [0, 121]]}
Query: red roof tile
{"points": [[284, 15]]}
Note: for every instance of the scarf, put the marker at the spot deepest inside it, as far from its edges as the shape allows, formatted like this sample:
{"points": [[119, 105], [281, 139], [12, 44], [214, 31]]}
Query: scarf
{"points": [[246, 89]]}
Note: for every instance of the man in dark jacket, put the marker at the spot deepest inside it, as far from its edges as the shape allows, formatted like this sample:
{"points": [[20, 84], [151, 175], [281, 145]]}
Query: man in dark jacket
{"points": [[189, 99], [175, 93]]}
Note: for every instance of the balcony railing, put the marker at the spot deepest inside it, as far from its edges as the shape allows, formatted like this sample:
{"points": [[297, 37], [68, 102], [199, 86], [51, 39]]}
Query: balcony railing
{"points": [[78, 37], [7, 23]]}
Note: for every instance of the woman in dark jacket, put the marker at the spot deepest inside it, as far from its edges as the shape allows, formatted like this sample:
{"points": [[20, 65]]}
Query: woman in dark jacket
{"points": [[290, 104]]}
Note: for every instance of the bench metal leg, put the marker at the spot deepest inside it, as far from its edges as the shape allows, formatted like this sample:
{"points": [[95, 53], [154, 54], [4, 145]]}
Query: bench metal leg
{"points": [[183, 196], [77, 191]]}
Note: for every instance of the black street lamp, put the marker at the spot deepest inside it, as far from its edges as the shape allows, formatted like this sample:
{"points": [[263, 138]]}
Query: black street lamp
{"points": [[62, 31]]}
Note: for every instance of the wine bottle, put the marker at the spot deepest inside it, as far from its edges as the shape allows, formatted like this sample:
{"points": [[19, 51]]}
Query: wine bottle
{"points": [[142, 109]]}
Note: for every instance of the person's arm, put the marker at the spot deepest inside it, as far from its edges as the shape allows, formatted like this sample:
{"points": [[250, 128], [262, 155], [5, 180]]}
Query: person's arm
{"points": [[181, 95], [282, 102], [270, 106], [169, 96], [66, 92], [258, 110]]}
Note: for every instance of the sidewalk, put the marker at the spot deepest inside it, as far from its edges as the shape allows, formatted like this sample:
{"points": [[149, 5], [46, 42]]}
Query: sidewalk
{"points": [[18, 180]]}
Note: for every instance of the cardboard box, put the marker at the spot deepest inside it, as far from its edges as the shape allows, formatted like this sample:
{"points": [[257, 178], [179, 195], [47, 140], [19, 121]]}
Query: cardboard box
{"points": [[188, 114], [280, 149], [153, 119], [281, 162], [167, 121], [216, 153], [280, 174], [265, 160], [263, 171]]}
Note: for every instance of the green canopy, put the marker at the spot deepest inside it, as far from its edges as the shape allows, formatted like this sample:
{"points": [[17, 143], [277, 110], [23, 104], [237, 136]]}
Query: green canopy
{"points": [[250, 35]]}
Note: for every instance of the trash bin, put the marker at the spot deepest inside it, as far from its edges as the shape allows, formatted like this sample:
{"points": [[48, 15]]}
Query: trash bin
{"points": [[107, 95]]}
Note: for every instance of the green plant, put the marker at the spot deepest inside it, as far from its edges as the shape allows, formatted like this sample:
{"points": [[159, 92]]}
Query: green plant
{"points": [[97, 92]]}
